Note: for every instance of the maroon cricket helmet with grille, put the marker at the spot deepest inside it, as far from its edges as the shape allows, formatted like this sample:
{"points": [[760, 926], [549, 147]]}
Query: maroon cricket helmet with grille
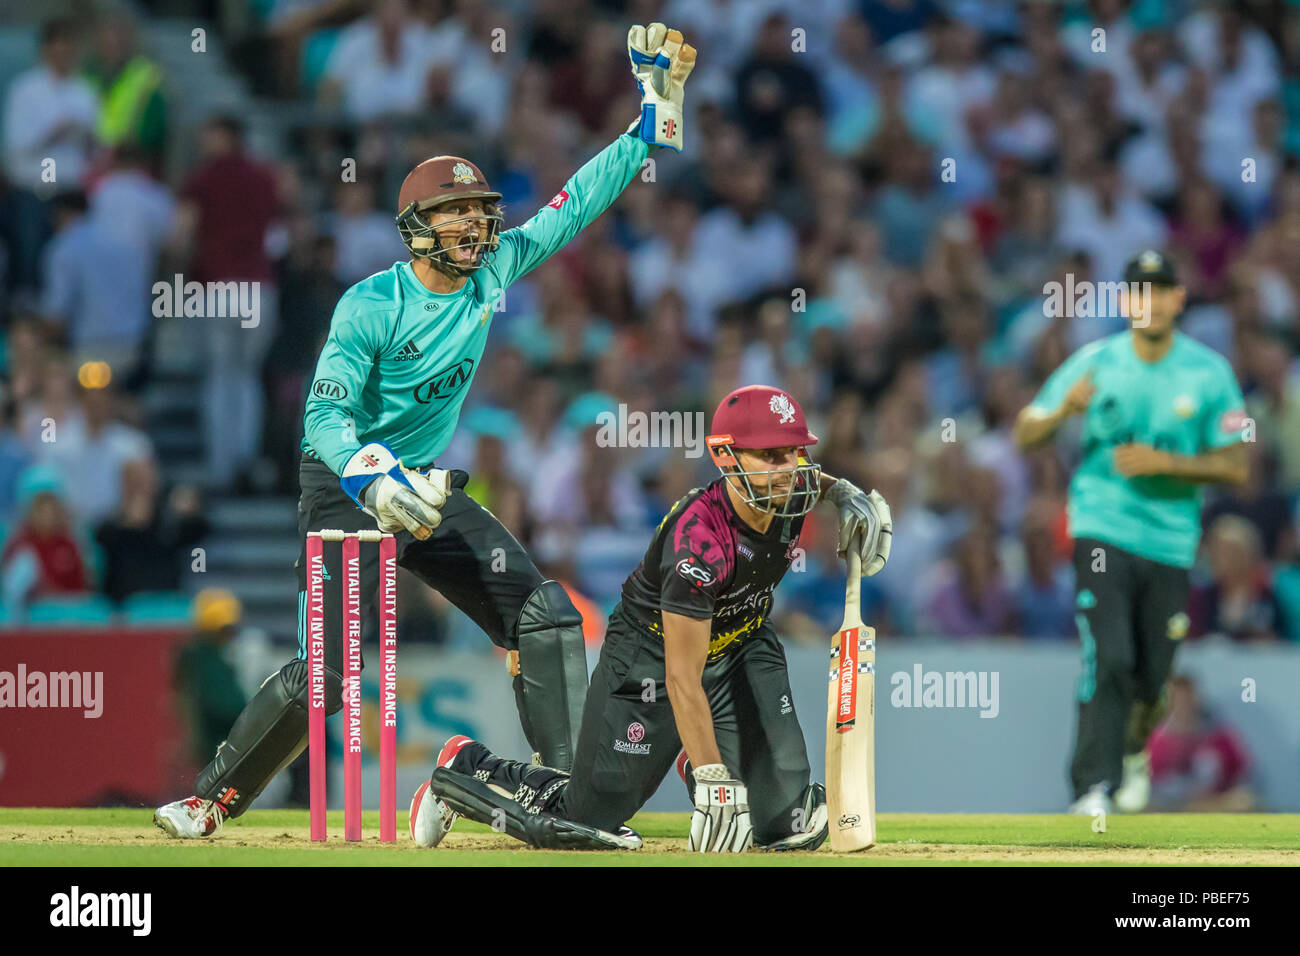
{"points": [[433, 182], [756, 417]]}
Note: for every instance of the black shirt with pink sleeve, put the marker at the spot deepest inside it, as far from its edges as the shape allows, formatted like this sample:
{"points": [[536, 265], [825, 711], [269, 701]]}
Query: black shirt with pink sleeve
{"points": [[704, 563]]}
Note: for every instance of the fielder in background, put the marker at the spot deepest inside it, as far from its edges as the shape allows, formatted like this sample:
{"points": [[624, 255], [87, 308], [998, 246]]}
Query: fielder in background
{"points": [[1162, 415], [691, 670], [403, 348]]}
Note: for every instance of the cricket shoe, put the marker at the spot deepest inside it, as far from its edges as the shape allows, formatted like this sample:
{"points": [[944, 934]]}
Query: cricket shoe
{"points": [[626, 838], [189, 819], [1095, 801], [1135, 789], [813, 824], [431, 818]]}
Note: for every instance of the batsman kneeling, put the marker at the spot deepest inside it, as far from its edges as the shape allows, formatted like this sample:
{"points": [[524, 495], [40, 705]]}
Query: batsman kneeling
{"points": [[691, 672]]}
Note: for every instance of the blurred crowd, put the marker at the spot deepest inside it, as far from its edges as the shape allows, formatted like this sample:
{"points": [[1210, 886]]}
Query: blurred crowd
{"points": [[873, 196]]}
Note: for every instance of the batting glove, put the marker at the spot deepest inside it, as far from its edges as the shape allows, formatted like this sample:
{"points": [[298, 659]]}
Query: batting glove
{"points": [[661, 62], [397, 497], [865, 515], [720, 823]]}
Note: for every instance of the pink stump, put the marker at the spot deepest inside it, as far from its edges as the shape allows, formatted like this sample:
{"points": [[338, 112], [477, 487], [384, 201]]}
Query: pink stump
{"points": [[316, 682], [351, 689], [388, 689]]}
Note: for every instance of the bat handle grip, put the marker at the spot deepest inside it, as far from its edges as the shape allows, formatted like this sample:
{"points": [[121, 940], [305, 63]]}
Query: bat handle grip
{"points": [[853, 588]]}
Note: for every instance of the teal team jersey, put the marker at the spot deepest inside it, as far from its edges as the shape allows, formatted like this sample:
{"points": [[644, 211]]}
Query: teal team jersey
{"points": [[1188, 403], [399, 359]]}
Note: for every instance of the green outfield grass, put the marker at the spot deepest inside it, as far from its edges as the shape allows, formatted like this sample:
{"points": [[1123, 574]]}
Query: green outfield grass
{"points": [[126, 837]]}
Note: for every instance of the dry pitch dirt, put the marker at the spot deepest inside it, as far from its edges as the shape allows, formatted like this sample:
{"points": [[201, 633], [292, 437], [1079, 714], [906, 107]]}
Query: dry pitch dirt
{"points": [[261, 838]]}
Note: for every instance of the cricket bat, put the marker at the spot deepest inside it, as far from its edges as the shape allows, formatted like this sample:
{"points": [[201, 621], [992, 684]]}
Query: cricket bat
{"points": [[851, 723]]}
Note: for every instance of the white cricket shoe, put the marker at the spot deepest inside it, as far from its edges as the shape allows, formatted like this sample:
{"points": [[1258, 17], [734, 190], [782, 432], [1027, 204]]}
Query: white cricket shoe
{"points": [[626, 838], [1095, 801], [1135, 789], [189, 819], [431, 818]]}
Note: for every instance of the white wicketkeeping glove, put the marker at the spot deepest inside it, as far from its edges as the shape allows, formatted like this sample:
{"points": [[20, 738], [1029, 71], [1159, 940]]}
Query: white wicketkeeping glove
{"points": [[397, 497], [720, 823], [661, 62], [865, 513]]}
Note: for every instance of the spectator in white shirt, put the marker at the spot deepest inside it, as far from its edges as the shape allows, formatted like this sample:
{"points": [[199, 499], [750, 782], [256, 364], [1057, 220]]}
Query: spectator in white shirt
{"points": [[1225, 161], [1101, 41], [1109, 222], [954, 82], [380, 66], [50, 114], [726, 28], [91, 457], [1012, 125], [134, 206], [1150, 82], [364, 238], [49, 127], [847, 74], [481, 77], [672, 259], [1219, 39], [97, 286], [52, 412], [749, 245]]}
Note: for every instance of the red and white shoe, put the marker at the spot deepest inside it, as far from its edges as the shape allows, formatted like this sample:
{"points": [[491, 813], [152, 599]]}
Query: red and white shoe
{"points": [[189, 819], [431, 818]]}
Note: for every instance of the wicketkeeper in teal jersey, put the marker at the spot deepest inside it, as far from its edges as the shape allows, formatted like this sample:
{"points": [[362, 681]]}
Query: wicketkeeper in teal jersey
{"points": [[402, 351], [1162, 416]]}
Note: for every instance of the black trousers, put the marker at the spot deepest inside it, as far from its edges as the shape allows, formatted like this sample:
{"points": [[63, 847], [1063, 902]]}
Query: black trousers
{"points": [[470, 558], [629, 743], [1131, 614], [473, 561]]}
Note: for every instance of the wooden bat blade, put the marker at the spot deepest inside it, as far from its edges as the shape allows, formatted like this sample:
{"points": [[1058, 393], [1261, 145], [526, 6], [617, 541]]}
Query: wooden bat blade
{"points": [[850, 738]]}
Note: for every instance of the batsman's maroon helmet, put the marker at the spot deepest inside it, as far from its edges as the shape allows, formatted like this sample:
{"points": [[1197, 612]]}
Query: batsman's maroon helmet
{"points": [[760, 416]]}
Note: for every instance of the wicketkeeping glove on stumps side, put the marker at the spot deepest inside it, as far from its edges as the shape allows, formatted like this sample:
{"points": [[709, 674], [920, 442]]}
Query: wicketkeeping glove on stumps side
{"points": [[397, 497]]}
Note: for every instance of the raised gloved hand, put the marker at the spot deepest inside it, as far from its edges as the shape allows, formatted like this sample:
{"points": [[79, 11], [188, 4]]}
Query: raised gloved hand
{"points": [[866, 515], [720, 823], [397, 497], [661, 62]]}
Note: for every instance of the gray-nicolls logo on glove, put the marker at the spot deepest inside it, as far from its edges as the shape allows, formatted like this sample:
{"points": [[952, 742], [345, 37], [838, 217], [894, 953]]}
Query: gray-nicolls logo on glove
{"points": [[720, 823]]}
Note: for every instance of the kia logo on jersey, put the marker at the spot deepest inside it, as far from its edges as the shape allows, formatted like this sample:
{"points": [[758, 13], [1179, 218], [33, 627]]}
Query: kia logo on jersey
{"points": [[329, 389], [444, 384]]}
